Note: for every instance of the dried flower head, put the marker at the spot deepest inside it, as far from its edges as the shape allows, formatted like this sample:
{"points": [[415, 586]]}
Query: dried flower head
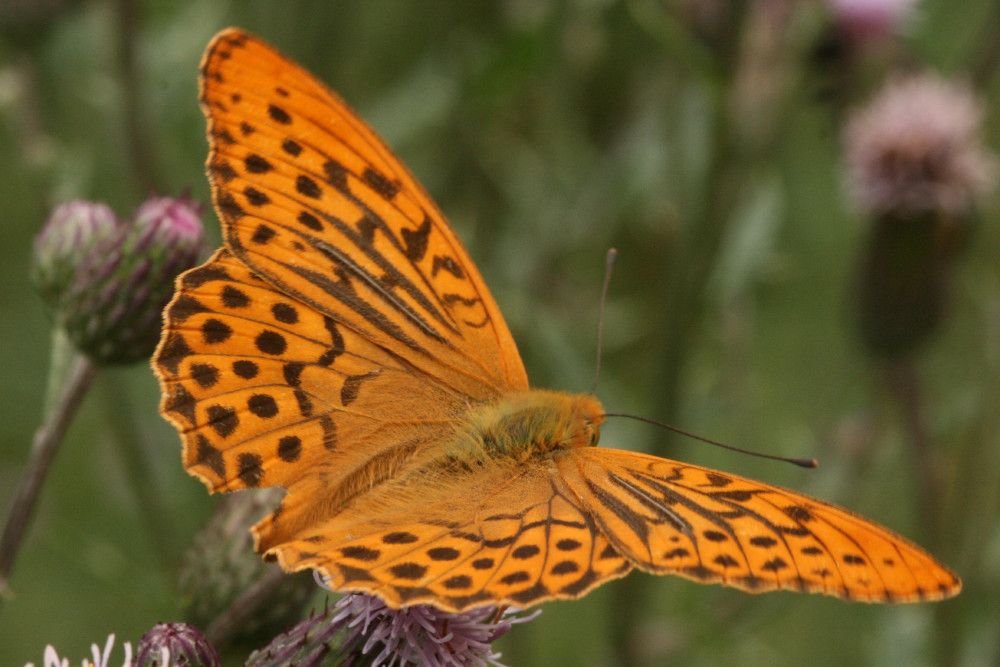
{"points": [[916, 149]]}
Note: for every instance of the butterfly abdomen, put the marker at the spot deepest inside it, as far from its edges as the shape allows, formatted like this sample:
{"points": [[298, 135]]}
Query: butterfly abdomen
{"points": [[534, 423]]}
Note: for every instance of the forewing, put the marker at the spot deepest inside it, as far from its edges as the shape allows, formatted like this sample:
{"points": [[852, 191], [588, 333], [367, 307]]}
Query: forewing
{"points": [[314, 202], [675, 518], [267, 391]]}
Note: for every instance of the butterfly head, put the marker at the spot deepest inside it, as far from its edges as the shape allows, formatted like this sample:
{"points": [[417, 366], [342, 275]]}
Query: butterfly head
{"points": [[587, 417]]}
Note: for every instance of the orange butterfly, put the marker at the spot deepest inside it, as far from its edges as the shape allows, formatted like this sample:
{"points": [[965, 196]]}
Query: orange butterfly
{"points": [[343, 345]]}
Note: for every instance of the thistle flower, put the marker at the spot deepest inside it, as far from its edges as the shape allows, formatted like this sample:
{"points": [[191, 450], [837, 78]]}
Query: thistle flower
{"points": [[175, 645], [98, 658], [112, 309], [371, 633], [866, 19], [72, 231], [421, 634], [916, 165], [916, 149]]}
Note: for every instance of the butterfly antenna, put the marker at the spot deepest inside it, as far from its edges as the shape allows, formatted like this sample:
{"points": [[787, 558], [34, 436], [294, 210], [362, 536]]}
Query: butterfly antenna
{"points": [[802, 463], [609, 265]]}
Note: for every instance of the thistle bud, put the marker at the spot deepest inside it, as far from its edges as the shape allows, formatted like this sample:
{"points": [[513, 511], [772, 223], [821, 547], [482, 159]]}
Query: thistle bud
{"points": [[112, 310], [221, 565], [71, 233], [175, 645]]}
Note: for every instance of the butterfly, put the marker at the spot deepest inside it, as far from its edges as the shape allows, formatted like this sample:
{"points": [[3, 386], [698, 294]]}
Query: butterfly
{"points": [[343, 345]]}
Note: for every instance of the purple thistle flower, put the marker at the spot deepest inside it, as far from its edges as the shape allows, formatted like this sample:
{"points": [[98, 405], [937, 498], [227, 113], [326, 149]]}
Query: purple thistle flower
{"points": [[371, 633], [421, 634], [916, 149]]}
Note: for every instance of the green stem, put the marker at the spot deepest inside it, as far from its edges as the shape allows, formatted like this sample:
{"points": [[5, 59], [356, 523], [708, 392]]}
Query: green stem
{"points": [[904, 383], [966, 535], [137, 141], [44, 447], [61, 356], [250, 602], [138, 471], [984, 62]]}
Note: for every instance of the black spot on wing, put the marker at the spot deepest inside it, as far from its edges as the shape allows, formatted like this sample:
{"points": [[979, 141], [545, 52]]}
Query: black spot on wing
{"points": [[415, 240]]}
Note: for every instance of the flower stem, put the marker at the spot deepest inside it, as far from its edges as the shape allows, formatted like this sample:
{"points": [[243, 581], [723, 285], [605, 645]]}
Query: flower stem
{"points": [[46, 443], [139, 472], [930, 489], [137, 140], [244, 607]]}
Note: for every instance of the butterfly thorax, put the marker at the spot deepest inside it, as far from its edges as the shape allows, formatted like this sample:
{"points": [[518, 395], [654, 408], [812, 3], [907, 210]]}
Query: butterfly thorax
{"points": [[534, 423]]}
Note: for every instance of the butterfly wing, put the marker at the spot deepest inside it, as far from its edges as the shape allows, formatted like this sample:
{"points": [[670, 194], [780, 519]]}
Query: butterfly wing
{"points": [[437, 538], [669, 517], [314, 202], [266, 391], [332, 347], [343, 327]]}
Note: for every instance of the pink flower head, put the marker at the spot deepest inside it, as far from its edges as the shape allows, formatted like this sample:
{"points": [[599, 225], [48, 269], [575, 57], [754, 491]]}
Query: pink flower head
{"points": [[73, 230], [171, 220], [867, 19], [916, 148]]}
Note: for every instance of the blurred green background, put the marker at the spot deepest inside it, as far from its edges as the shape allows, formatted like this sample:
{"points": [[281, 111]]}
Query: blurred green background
{"points": [[703, 139]]}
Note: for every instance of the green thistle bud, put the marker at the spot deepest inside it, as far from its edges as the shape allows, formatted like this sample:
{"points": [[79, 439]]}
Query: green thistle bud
{"points": [[112, 309], [221, 565], [175, 645], [72, 232]]}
